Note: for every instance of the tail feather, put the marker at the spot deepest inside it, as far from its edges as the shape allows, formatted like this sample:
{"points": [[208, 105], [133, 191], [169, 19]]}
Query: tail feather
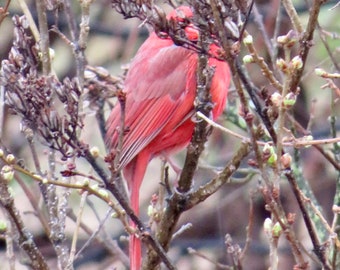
{"points": [[135, 245], [134, 174], [135, 251]]}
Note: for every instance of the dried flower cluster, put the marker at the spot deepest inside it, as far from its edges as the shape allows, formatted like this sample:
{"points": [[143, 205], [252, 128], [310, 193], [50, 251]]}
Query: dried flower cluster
{"points": [[31, 94]]}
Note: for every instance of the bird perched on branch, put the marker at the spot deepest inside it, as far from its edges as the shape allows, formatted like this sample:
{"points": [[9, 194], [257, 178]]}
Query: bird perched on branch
{"points": [[160, 89]]}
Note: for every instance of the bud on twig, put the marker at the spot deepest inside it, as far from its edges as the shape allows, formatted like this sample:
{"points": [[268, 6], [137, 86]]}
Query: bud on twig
{"points": [[286, 160], [296, 63], [248, 40], [269, 154], [7, 173], [276, 230], [3, 226], [289, 100], [94, 151], [267, 225], [10, 158], [276, 99], [282, 65], [320, 72], [288, 40], [248, 59]]}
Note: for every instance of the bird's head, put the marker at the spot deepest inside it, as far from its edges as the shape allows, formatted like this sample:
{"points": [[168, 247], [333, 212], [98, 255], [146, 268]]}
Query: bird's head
{"points": [[183, 16]]}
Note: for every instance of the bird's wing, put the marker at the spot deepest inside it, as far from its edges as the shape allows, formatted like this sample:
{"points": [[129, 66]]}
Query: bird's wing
{"points": [[158, 91]]}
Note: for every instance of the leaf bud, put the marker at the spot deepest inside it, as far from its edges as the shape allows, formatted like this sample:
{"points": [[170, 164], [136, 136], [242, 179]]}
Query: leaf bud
{"points": [[248, 40], [248, 59], [7, 173]]}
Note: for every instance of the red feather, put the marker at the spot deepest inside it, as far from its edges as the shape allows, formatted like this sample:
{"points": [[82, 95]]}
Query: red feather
{"points": [[160, 91]]}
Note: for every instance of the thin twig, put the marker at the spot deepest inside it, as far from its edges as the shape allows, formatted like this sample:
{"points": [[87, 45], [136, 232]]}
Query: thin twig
{"points": [[10, 254], [30, 19], [306, 42], [44, 40], [34, 201], [294, 17], [269, 44], [325, 154], [4, 11], [110, 245], [216, 264], [76, 231], [292, 142], [249, 227]]}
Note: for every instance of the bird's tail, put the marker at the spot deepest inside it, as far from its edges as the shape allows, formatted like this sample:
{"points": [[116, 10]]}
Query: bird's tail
{"points": [[134, 174], [135, 251], [135, 245]]}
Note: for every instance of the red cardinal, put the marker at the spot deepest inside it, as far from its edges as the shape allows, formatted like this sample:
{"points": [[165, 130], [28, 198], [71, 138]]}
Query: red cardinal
{"points": [[160, 90]]}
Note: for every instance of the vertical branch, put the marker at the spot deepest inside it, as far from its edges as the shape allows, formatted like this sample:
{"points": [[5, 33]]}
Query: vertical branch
{"points": [[57, 235], [76, 231], [203, 104], [82, 42], [4, 11], [44, 41], [259, 22], [294, 18], [2, 110], [10, 235], [336, 201], [306, 42], [30, 19]]}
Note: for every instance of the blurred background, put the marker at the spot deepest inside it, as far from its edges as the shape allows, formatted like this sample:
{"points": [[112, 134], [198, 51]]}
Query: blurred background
{"points": [[112, 43]]}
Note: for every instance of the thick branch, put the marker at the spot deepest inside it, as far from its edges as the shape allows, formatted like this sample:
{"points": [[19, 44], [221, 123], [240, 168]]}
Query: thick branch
{"points": [[215, 184]]}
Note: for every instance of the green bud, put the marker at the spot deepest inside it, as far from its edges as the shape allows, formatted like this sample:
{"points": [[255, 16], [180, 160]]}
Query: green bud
{"points": [[114, 215], [272, 159], [276, 230], [150, 211], [269, 154], [268, 148], [289, 100], [248, 59], [7, 173], [3, 226], [10, 158], [320, 72], [248, 40]]}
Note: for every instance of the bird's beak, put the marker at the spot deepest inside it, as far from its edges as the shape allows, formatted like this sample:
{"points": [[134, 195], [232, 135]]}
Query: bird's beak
{"points": [[192, 32]]}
